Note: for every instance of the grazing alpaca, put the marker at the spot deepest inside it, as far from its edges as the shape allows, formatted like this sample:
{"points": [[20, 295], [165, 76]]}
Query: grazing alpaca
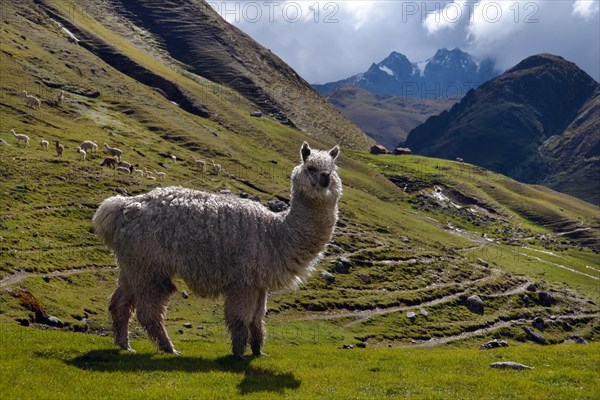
{"points": [[20, 138], [44, 144], [216, 168], [219, 245], [117, 153], [82, 152], [32, 101], [59, 149]]}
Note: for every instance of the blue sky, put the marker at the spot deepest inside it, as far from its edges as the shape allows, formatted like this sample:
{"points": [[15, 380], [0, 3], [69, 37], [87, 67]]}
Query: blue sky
{"points": [[330, 40]]}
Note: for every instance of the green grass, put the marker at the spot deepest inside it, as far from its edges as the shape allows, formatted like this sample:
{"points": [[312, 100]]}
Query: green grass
{"points": [[58, 365]]}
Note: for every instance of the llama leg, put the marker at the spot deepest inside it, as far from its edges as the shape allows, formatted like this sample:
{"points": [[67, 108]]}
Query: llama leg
{"points": [[239, 310], [257, 326], [151, 307], [120, 308]]}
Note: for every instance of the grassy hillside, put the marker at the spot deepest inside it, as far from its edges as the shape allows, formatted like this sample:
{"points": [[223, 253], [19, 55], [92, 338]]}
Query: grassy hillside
{"points": [[412, 231]]}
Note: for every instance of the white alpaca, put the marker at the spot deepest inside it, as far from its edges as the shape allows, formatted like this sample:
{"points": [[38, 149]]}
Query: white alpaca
{"points": [[124, 170], [161, 175], [82, 152], [201, 163], [89, 146], [32, 101], [117, 153], [216, 168], [44, 144], [61, 97], [219, 245], [20, 138]]}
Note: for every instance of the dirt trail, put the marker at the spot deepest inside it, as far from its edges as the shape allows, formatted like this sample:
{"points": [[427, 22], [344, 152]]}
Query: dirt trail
{"points": [[364, 315], [479, 332], [19, 276]]}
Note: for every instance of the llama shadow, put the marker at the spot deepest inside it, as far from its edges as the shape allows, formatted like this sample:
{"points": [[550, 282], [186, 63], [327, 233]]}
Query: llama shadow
{"points": [[256, 379]]}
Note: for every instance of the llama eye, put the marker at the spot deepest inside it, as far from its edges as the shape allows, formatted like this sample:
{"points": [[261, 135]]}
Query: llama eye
{"points": [[311, 169]]}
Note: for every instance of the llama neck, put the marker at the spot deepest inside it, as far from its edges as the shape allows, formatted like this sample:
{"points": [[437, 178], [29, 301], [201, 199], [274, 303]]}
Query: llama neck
{"points": [[305, 231]]}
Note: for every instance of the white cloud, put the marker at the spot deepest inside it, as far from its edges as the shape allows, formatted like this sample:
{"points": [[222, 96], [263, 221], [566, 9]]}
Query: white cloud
{"points": [[585, 8], [447, 17]]}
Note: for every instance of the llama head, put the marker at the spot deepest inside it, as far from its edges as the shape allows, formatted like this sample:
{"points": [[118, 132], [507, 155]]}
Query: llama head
{"points": [[316, 177]]}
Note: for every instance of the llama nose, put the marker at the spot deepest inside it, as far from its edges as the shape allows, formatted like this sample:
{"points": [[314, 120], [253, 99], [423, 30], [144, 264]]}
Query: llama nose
{"points": [[324, 179]]}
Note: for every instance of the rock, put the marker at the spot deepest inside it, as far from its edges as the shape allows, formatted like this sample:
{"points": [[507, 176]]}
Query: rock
{"points": [[423, 312], [343, 265], [187, 325], [404, 239], [327, 276], [546, 299], [255, 198], [122, 191], [244, 195], [23, 321], [398, 151], [46, 278], [525, 299], [180, 331], [225, 191], [533, 335], [185, 294], [51, 321], [364, 278], [532, 287], [580, 340], [256, 114], [475, 304], [509, 365], [276, 205], [538, 323], [274, 162], [493, 344], [346, 347], [411, 315], [200, 327], [483, 262], [378, 149]]}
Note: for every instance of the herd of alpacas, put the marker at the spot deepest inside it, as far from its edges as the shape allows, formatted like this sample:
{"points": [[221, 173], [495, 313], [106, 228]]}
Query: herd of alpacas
{"points": [[87, 147], [220, 245]]}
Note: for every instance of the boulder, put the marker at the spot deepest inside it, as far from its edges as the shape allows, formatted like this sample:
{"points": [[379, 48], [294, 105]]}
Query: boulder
{"points": [[329, 278], [509, 365], [187, 325], [532, 287], [475, 304], [411, 316], [423, 312], [185, 294], [538, 323], [378, 149], [483, 262], [545, 299], [533, 335], [256, 114], [343, 265], [364, 278], [493, 344]]}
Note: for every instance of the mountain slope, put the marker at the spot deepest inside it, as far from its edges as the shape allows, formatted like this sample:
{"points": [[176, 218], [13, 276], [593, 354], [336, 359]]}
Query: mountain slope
{"points": [[385, 118], [536, 123], [448, 74], [169, 30]]}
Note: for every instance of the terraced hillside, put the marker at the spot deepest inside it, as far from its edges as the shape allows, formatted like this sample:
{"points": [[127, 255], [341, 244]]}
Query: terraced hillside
{"points": [[417, 237]]}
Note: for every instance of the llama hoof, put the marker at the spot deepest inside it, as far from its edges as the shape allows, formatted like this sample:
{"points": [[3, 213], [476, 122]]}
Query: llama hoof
{"points": [[260, 354]]}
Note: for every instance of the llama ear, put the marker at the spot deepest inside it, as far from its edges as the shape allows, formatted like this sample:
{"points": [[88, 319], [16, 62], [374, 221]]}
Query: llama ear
{"points": [[334, 152], [305, 151]]}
